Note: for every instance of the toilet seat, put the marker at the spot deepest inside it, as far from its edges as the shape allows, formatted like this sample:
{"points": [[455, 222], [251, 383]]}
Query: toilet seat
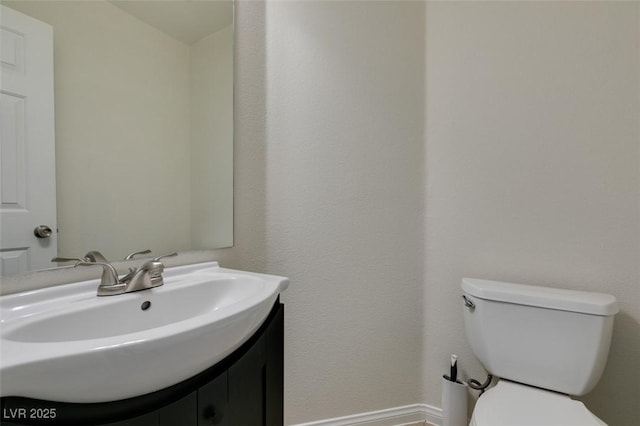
{"points": [[513, 404]]}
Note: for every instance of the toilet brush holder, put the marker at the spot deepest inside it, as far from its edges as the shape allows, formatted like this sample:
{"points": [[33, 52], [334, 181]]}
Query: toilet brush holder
{"points": [[454, 403]]}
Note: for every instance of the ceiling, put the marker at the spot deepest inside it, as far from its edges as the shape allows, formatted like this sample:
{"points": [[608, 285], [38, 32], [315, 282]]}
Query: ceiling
{"points": [[184, 20]]}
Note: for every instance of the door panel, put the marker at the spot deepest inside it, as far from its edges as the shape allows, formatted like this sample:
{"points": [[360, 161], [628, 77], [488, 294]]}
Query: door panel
{"points": [[213, 403], [27, 143]]}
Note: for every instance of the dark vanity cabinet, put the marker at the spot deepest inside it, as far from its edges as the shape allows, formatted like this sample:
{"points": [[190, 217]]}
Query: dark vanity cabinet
{"points": [[246, 388]]}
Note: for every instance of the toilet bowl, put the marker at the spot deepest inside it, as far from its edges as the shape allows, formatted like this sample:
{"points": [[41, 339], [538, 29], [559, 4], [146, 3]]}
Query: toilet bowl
{"points": [[544, 344], [509, 404]]}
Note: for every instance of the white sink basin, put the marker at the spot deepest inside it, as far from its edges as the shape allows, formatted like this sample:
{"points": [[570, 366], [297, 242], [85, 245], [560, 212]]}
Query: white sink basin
{"points": [[64, 343]]}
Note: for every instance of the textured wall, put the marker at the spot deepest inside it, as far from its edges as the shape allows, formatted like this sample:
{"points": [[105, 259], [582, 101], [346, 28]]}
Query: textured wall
{"points": [[533, 150], [330, 194]]}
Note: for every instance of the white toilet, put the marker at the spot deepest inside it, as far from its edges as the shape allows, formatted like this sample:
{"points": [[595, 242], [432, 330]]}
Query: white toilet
{"points": [[543, 344]]}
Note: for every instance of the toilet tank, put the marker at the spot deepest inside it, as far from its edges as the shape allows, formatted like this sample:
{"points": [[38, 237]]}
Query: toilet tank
{"points": [[545, 337]]}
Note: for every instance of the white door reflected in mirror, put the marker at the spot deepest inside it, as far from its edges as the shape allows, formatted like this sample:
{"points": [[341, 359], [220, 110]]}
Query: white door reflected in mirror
{"points": [[27, 154]]}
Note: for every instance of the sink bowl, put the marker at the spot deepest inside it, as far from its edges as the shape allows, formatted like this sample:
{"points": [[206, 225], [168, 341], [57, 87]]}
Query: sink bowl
{"points": [[65, 344]]}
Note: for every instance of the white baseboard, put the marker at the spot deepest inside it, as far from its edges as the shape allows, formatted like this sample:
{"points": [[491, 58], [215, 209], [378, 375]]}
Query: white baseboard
{"points": [[407, 414]]}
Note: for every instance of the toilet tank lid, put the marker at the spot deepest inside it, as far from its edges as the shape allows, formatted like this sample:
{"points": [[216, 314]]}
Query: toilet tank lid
{"points": [[543, 297]]}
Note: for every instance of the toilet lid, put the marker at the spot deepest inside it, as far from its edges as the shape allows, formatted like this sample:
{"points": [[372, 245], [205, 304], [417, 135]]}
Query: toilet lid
{"points": [[512, 404]]}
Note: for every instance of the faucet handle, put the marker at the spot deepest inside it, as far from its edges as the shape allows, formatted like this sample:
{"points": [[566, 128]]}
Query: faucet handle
{"points": [[94, 256], [67, 259], [156, 259], [109, 282], [155, 268], [132, 255]]}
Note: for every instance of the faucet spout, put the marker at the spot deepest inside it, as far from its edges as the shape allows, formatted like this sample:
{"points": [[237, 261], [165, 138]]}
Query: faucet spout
{"points": [[95, 256]]}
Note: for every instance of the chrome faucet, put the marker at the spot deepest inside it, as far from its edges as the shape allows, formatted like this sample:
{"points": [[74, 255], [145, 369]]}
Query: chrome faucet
{"points": [[148, 275]]}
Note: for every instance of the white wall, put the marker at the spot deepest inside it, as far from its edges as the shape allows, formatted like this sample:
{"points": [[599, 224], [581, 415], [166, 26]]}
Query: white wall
{"points": [[111, 129], [329, 193], [533, 173], [211, 76]]}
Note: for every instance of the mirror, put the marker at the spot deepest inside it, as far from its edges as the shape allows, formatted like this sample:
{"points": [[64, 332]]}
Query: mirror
{"points": [[143, 134]]}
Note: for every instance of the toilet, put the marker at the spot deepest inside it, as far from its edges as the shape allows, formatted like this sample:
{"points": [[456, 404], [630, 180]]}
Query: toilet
{"points": [[543, 344]]}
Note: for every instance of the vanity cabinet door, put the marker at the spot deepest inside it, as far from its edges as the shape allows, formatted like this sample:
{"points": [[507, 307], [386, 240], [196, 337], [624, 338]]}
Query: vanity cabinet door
{"points": [[213, 407], [275, 370], [246, 387], [183, 412]]}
